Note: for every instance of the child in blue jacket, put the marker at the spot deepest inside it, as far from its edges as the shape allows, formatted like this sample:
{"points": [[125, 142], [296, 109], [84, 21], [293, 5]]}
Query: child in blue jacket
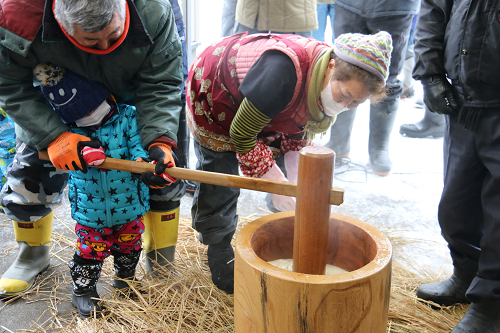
{"points": [[107, 205], [7, 144]]}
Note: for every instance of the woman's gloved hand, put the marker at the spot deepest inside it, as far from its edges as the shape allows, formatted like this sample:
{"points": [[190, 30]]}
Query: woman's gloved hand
{"points": [[281, 202], [292, 165], [65, 151], [438, 95]]}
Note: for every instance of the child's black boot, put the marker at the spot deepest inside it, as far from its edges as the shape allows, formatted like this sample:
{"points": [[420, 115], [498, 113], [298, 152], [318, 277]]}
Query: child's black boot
{"points": [[85, 274], [125, 265]]}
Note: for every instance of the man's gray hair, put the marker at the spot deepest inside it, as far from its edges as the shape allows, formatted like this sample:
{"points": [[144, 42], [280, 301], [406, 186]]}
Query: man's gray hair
{"points": [[89, 15]]}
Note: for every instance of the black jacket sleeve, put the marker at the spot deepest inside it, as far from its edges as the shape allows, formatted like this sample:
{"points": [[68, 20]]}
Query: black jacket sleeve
{"points": [[430, 33]]}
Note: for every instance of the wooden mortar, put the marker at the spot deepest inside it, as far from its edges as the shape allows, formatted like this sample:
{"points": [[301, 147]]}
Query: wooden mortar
{"points": [[270, 299]]}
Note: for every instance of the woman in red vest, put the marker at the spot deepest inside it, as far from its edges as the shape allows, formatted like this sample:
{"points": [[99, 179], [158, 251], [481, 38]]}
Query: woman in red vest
{"points": [[254, 97]]}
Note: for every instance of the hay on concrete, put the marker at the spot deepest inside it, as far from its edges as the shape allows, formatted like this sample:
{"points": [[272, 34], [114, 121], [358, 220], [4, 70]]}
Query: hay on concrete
{"points": [[187, 301], [407, 314]]}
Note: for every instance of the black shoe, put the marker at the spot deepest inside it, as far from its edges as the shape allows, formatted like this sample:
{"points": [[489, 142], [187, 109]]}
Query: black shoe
{"points": [[422, 129], [431, 125], [190, 186], [447, 292], [482, 317], [86, 302], [221, 263]]}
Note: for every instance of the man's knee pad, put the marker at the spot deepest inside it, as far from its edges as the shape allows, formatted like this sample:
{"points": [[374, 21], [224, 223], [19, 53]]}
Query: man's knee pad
{"points": [[35, 233]]}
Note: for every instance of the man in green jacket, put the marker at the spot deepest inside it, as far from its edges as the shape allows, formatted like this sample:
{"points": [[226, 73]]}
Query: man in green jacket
{"points": [[132, 48]]}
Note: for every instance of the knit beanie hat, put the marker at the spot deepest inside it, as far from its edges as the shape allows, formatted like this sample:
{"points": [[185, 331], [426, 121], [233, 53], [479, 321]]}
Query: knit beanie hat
{"points": [[370, 52], [71, 95]]}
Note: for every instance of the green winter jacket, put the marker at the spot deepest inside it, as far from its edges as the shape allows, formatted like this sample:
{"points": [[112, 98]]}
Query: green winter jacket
{"points": [[144, 71]]}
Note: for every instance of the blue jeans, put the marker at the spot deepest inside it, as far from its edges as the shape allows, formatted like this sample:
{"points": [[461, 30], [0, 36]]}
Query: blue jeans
{"points": [[323, 12]]}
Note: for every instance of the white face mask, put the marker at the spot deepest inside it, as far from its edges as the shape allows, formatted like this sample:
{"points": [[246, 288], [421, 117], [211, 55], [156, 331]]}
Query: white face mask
{"points": [[331, 108], [96, 117]]}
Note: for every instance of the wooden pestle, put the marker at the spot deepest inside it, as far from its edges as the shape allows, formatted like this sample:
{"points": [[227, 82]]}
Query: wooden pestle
{"points": [[312, 212]]}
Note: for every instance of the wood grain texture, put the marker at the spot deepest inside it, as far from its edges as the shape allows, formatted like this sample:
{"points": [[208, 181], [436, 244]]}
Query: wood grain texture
{"points": [[336, 195], [270, 299], [312, 212]]}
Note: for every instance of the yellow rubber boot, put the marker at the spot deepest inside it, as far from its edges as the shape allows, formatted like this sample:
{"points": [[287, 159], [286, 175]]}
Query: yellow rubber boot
{"points": [[34, 244], [160, 238]]}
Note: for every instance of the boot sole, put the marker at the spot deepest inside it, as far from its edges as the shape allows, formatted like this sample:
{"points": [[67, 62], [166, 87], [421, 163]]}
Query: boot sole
{"points": [[421, 135], [6, 296], [83, 315], [382, 174]]}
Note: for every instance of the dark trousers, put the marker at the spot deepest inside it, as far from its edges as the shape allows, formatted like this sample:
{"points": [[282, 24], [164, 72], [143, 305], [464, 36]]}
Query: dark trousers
{"points": [[469, 210], [214, 207]]}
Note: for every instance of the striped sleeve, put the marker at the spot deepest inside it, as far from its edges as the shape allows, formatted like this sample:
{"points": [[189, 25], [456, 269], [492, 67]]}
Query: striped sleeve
{"points": [[246, 125]]}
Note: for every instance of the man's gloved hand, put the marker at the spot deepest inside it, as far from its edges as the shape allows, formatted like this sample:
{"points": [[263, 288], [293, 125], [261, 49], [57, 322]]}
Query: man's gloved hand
{"points": [[65, 151], [281, 202], [93, 156], [292, 165], [438, 95], [161, 154]]}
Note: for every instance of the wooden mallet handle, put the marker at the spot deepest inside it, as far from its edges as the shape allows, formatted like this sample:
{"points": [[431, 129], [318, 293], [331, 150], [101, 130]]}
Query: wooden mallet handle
{"points": [[213, 178]]}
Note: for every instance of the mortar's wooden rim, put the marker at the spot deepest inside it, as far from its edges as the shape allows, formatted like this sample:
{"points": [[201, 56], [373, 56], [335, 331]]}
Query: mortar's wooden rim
{"points": [[381, 260]]}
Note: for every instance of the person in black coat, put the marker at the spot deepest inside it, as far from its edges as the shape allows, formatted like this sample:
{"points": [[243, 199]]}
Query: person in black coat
{"points": [[456, 53]]}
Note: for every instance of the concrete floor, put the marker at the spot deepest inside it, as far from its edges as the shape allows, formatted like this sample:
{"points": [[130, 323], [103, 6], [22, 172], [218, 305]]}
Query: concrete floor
{"points": [[403, 205]]}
